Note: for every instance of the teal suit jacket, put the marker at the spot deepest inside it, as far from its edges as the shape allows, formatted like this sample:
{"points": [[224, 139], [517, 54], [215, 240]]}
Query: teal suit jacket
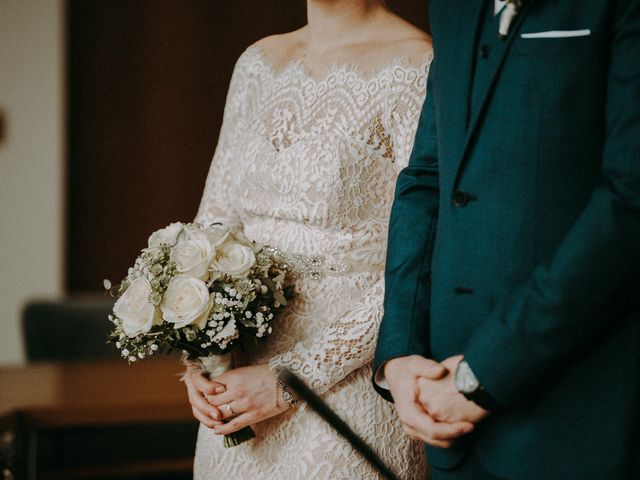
{"points": [[515, 236]]}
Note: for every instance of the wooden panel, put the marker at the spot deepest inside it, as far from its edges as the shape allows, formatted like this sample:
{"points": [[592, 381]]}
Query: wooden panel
{"points": [[147, 84], [95, 393]]}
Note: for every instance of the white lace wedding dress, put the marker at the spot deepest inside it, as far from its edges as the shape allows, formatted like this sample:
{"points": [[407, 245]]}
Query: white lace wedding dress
{"points": [[308, 165]]}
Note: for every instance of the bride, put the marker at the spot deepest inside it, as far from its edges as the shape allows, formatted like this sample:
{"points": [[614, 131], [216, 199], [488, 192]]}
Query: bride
{"points": [[317, 125]]}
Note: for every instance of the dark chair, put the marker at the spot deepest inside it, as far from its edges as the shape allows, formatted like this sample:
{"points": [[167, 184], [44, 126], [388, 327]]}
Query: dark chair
{"points": [[77, 329], [68, 330]]}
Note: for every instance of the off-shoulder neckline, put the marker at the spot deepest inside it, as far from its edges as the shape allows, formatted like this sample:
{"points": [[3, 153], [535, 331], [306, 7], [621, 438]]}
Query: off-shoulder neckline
{"points": [[297, 66]]}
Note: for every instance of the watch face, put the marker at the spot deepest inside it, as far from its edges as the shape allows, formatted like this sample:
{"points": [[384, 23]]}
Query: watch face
{"points": [[466, 381]]}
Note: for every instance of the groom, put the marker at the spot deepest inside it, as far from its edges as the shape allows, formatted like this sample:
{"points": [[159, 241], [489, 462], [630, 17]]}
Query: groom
{"points": [[511, 336]]}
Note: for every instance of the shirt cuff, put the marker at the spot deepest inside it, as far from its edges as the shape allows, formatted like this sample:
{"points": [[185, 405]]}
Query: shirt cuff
{"points": [[380, 379]]}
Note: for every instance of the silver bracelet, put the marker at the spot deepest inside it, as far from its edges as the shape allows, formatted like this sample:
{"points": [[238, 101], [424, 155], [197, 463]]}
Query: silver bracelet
{"points": [[285, 394]]}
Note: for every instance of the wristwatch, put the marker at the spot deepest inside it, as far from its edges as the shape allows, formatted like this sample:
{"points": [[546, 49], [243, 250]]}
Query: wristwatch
{"points": [[469, 386]]}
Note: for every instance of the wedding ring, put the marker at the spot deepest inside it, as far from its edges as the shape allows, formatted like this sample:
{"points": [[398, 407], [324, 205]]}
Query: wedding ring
{"points": [[230, 410]]}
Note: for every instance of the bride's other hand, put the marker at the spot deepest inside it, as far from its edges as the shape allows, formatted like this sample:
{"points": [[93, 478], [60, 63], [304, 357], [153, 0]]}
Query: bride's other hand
{"points": [[198, 388], [249, 398]]}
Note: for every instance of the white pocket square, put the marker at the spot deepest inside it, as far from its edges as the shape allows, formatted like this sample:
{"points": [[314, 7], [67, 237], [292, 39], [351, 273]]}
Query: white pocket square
{"points": [[558, 34]]}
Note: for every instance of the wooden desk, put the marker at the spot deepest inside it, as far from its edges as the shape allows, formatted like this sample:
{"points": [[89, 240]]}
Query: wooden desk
{"points": [[52, 402]]}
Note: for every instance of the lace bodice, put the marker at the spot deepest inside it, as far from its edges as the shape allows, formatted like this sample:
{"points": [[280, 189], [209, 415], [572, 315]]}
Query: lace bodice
{"points": [[317, 158], [308, 165]]}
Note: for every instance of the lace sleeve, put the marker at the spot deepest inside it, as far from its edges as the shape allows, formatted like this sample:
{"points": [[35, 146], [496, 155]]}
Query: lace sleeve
{"points": [[405, 106], [217, 204], [349, 342], [345, 345]]}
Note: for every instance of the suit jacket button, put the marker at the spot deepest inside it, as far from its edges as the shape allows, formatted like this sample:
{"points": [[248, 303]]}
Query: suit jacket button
{"points": [[484, 51], [460, 198]]}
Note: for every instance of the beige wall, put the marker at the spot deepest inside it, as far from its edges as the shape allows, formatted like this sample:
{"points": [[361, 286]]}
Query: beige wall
{"points": [[31, 160]]}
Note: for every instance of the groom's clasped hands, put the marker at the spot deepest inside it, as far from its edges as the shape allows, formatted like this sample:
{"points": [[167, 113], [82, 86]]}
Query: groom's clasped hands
{"points": [[427, 401]]}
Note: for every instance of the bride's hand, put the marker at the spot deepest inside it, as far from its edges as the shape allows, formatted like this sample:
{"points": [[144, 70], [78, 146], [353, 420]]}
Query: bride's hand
{"points": [[198, 387], [249, 398]]}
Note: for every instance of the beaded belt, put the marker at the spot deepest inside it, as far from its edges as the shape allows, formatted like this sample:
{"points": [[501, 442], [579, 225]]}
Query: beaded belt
{"points": [[317, 266]]}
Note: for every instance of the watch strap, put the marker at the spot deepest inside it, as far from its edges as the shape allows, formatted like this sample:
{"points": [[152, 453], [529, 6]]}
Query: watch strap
{"points": [[483, 399]]}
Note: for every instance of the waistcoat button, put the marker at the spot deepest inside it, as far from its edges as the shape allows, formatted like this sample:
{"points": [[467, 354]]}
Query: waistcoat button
{"points": [[460, 198]]}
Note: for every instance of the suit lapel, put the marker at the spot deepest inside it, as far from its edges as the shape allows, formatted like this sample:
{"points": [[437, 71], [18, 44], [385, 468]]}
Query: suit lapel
{"points": [[498, 55], [456, 57]]}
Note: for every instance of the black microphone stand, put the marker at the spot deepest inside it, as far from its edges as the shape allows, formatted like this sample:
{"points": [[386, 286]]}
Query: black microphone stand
{"points": [[322, 409]]}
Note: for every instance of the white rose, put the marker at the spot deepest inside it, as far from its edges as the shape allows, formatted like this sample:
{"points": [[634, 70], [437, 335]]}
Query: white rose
{"points": [[234, 259], [167, 235], [193, 253], [138, 315], [218, 234], [186, 302], [241, 238]]}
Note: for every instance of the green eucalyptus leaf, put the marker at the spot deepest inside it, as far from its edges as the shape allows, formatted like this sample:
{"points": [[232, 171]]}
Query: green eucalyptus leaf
{"points": [[247, 322]]}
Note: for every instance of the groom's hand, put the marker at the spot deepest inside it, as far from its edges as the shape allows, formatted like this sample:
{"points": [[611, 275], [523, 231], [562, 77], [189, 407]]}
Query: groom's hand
{"points": [[402, 375], [443, 401]]}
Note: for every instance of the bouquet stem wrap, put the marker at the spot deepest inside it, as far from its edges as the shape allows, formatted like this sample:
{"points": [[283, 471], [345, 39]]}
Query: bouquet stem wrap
{"points": [[214, 366]]}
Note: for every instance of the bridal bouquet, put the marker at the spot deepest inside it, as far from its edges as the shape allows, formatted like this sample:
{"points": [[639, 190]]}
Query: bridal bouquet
{"points": [[202, 290]]}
